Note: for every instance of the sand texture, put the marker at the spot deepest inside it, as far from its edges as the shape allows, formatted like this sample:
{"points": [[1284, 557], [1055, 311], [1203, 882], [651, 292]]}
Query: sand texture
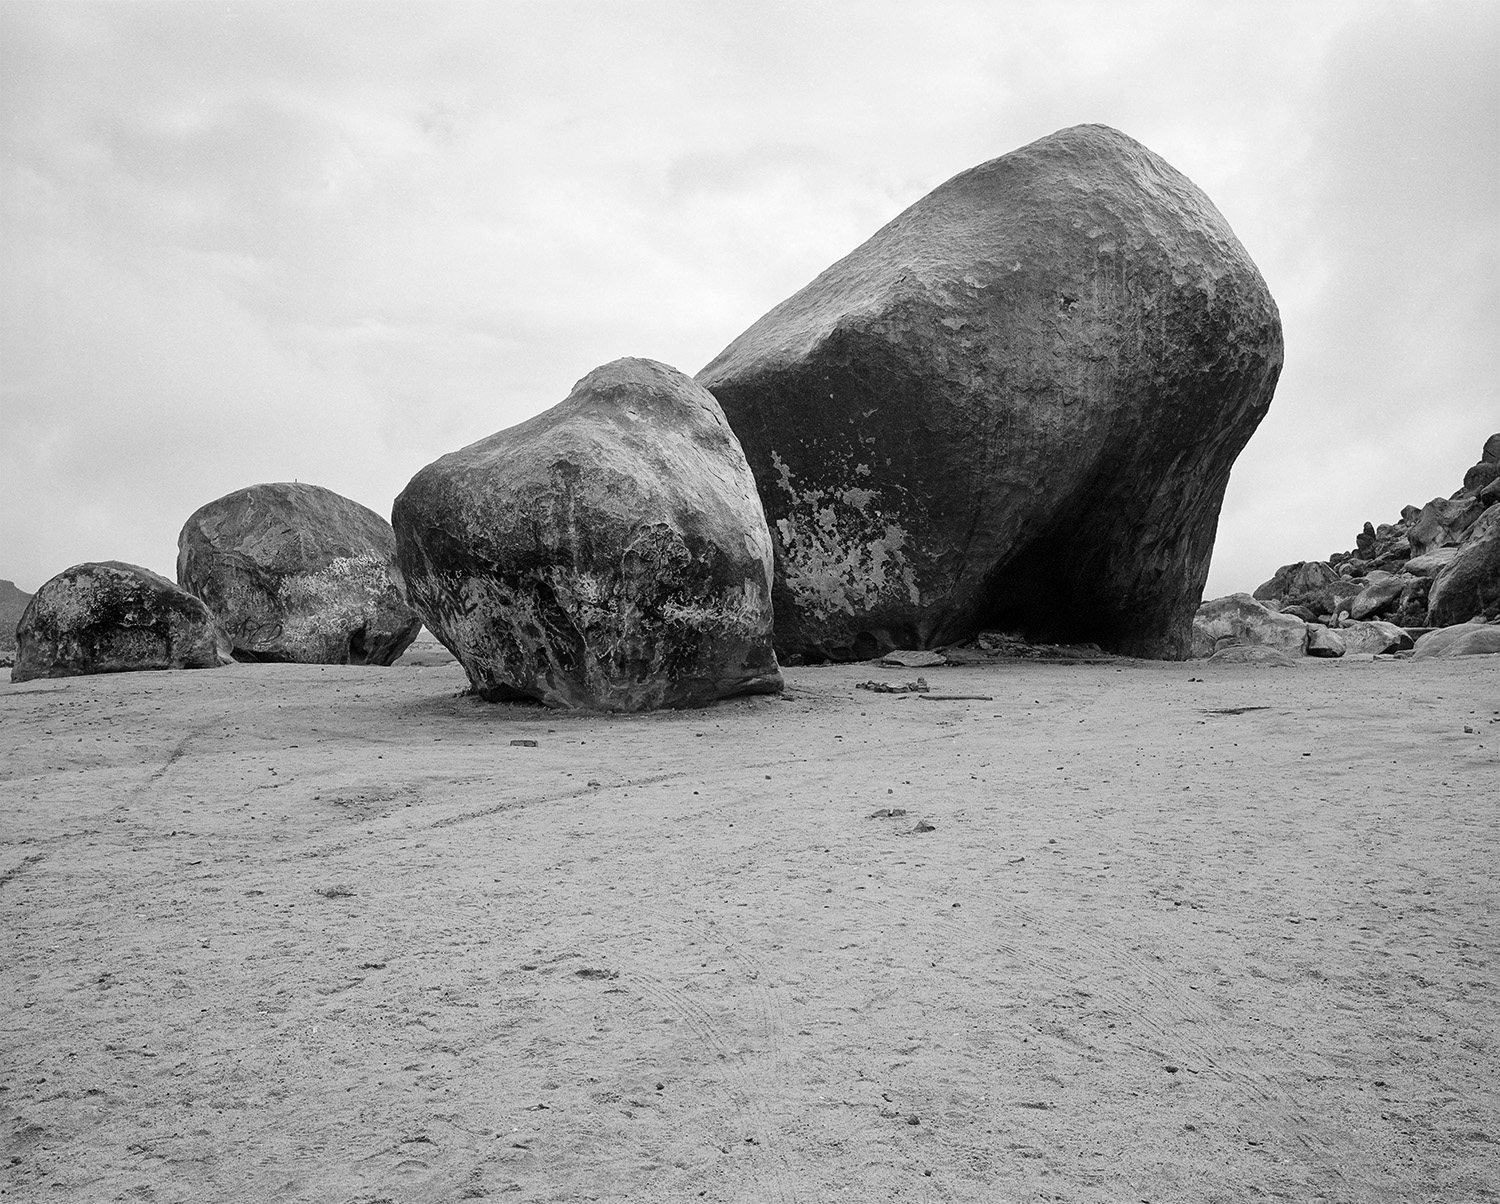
{"points": [[1173, 932]]}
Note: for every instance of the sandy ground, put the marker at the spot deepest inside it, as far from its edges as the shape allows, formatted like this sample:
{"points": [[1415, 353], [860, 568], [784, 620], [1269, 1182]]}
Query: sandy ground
{"points": [[1178, 932]]}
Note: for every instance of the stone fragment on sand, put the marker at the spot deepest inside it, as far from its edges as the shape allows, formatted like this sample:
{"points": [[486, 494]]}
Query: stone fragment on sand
{"points": [[296, 572], [1470, 586], [1018, 403], [1252, 654], [109, 617], [913, 658], [1462, 639], [1243, 620], [610, 553]]}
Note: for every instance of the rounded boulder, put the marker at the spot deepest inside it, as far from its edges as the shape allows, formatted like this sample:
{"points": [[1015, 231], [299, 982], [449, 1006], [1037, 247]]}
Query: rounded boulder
{"points": [[109, 617], [610, 553], [296, 572]]}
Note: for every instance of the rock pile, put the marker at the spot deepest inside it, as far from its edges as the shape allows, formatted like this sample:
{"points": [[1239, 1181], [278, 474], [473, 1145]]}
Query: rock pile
{"points": [[109, 617], [1437, 566]]}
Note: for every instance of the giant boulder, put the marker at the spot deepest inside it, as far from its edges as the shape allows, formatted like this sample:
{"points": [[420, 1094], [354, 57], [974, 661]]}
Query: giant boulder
{"points": [[1016, 406], [296, 572], [610, 553], [110, 617]]}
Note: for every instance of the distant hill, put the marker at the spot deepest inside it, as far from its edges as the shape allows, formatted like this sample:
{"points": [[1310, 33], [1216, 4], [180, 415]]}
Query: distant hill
{"points": [[12, 605]]}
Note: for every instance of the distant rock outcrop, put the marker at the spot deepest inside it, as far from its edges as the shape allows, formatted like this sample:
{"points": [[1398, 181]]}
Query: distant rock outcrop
{"points": [[1436, 566], [12, 606], [610, 553], [297, 572], [110, 617], [1016, 405]]}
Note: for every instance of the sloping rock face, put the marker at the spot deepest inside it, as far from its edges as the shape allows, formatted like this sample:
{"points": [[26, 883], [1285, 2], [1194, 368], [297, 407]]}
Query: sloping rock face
{"points": [[1436, 566], [1469, 587], [1461, 639], [1015, 406], [610, 553], [296, 572], [110, 617]]}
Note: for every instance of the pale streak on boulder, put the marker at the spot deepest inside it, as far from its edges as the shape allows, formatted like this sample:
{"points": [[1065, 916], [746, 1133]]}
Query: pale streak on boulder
{"points": [[1016, 406], [610, 553], [1241, 618], [296, 572], [109, 617]]}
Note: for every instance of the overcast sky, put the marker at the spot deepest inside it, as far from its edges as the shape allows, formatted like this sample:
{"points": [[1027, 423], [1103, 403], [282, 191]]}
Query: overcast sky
{"points": [[330, 242]]}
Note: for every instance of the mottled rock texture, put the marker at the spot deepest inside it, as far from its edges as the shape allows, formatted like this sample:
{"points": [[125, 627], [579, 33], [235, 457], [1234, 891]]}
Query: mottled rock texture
{"points": [[1240, 619], [610, 553], [296, 572], [110, 617], [1469, 587], [1015, 406]]}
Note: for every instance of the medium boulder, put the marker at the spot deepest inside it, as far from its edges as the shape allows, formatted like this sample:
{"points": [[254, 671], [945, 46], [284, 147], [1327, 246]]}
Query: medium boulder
{"points": [[1297, 581], [1470, 586], [110, 617], [1015, 406], [1381, 592], [1372, 636], [1462, 639], [610, 553], [297, 572], [1323, 641], [1443, 521], [1242, 620]]}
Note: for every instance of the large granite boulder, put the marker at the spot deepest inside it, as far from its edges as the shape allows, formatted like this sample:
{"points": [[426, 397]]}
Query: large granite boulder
{"points": [[1297, 580], [1470, 586], [610, 553], [110, 617], [1015, 406], [1462, 639], [1240, 619], [297, 572], [1443, 521]]}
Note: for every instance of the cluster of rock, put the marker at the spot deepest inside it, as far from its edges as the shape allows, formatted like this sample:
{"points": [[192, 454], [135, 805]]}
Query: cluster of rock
{"points": [[285, 572], [1437, 567]]}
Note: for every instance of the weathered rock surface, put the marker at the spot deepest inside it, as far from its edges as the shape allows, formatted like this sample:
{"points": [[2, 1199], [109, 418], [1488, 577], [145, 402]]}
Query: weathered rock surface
{"points": [[1243, 620], [1372, 635], [1016, 405], [1323, 641], [1462, 639], [296, 572], [13, 603], [610, 553], [109, 617], [1470, 586]]}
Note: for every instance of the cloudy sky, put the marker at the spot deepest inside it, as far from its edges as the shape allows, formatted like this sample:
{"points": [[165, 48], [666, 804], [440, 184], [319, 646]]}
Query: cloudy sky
{"points": [[246, 242]]}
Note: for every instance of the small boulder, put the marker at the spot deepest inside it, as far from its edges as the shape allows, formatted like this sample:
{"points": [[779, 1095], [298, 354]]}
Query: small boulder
{"points": [[1323, 641], [1462, 639], [110, 617], [1491, 450], [1372, 636], [1470, 586], [1433, 563], [1253, 654], [1480, 475], [1379, 594], [296, 572], [1243, 619], [610, 553]]}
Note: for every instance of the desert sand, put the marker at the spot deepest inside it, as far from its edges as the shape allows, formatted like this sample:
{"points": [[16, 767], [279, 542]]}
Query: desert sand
{"points": [[1172, 932]]}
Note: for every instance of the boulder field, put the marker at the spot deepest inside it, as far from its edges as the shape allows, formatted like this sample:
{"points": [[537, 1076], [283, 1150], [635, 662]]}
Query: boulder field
{"points": [[296, 572], [109, 617], [610, 553], [1437, 567], [1015, 406]]}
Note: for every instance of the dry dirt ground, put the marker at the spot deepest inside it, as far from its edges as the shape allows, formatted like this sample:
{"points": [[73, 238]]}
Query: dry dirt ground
{"points": [[1173, 932]]}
